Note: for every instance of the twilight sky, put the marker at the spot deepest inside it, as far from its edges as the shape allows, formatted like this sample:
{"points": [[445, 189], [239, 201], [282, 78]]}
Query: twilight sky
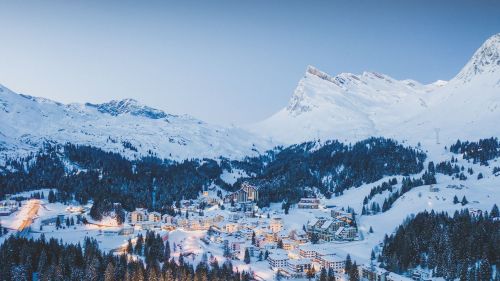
{"points": [[228, 61]]}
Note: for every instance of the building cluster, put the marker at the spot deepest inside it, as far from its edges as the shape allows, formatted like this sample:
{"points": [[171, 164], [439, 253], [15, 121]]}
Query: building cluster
{"points": [[242, 229], [297, 263], [339, 226], [368, 272], [259, 234], [190, 216], [8, 207], [144, 219], [286, 251], [197, 222]]}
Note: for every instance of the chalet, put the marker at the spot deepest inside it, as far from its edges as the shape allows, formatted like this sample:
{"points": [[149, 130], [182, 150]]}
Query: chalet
{"points": [[308, 203]]}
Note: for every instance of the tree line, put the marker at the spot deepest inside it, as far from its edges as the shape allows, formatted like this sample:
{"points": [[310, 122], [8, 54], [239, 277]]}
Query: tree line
{"points": [[82, 173], [407, 184], [332, 167], [480, 152], [25, 259], [459, 246]]}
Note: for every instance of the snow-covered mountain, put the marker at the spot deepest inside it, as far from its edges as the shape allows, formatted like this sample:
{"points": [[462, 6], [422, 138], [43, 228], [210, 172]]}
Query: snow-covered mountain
{"points": [[346, 107], [468, 107], [350, 107], [120, 126]]}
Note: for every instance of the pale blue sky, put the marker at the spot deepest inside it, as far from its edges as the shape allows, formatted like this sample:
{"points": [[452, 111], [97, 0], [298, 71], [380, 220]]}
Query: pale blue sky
{"points": [[228, 61]]}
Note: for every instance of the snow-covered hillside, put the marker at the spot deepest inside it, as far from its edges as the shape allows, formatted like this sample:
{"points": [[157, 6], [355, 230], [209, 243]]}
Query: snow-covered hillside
{"points": [[346, 107], [120, 126], [351, 107]]}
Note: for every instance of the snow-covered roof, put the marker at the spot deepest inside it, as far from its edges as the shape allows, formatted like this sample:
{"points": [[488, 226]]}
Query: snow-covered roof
{"points": [[326, 224], [375, 269], [313, 221], [278, 256], [396, 277], [339, 231], [332, 258], [309, 247], [299, 261], [327, 251]]}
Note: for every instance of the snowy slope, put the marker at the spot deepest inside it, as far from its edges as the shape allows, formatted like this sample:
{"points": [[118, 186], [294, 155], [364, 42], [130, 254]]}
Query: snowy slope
{"points": [[346, 107], [27, 122], [468, 107], [351, 107]]}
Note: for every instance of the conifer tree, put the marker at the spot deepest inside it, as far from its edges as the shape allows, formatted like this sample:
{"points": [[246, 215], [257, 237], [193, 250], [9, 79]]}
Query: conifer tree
{"points": [[109, 274], [354, 274], [311, 273], [280, 244], [166, 256], [246, 259], [323, 276], [494, 212], [348, 263], [464, 201]]}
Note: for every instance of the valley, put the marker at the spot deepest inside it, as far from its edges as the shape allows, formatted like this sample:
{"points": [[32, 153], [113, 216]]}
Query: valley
{"points": [[322, 189]]}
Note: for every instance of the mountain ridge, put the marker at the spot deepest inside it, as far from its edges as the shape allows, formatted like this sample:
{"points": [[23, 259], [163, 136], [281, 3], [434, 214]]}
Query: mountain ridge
{"points": [[125, 126], [346, 107], [351, 107]]}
